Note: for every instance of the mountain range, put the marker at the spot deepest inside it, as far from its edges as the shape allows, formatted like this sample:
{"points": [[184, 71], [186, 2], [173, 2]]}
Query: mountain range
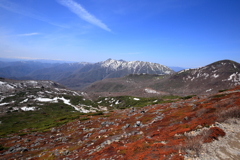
{"points": [[79, 75], [119, 77]]}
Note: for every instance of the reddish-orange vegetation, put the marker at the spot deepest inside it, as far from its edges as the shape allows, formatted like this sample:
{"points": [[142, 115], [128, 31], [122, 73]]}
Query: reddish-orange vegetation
{"points": [[163, 131]]}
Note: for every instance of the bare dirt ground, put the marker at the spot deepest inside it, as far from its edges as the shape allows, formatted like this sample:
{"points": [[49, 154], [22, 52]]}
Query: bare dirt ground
{"points": [[225, 148]]}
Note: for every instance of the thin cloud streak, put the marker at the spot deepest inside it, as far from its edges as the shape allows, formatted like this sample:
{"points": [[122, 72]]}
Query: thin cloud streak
{"points": [[22, 35], [83, 13], [13, 7], [29, 34]]}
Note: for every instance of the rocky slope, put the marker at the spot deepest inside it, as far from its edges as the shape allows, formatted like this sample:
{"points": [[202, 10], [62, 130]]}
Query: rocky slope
{"points": [[30, 95], [208, 79], [205, 80], [173, 129]]}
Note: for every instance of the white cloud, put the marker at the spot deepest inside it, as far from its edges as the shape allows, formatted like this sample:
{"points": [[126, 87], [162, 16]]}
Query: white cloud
{"points": [[83, 13]]}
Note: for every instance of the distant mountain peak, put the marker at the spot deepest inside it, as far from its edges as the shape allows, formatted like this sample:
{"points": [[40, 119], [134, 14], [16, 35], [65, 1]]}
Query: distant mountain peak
{"points": [[136, 66]]}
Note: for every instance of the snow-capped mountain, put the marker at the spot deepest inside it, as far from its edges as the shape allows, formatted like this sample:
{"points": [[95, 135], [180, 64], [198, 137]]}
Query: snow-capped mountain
{"points": [[135, 67], [111, 69]]}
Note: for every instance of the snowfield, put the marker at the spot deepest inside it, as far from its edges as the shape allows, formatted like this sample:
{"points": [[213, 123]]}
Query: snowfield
{"points": [[4, 85], [208, 90], [45, 100], [28, 108], [80, 107], [2, 104], [136, 99], [24, 101]]}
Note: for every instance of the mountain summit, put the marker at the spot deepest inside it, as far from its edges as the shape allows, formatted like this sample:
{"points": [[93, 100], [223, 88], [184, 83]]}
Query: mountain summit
{"points": [[135, 67]]}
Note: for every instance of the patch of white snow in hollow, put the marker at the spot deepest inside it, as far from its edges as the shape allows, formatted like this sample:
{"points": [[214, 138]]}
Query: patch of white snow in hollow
{"points": [[9, 86], [215, 75], [234, 66], [33, 82], [48, 92], [83, 110], [75, 93], [117, 102], [1, 83], [136, 99], [208, 90], [45, 100], [5, 85], [28, 108], [90, 109], [148, 90], [235, 77], [2, 104], [65, 101], [2, 98], [24, 101]]}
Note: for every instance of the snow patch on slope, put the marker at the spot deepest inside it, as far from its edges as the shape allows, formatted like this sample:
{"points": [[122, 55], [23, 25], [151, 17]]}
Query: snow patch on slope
{"points": [[148, 90], [28, 108], [80, 107], [136, 99]]}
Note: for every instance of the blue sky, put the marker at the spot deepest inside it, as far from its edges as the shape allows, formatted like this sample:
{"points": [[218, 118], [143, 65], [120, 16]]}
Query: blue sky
{"points": [[184, 33]]}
